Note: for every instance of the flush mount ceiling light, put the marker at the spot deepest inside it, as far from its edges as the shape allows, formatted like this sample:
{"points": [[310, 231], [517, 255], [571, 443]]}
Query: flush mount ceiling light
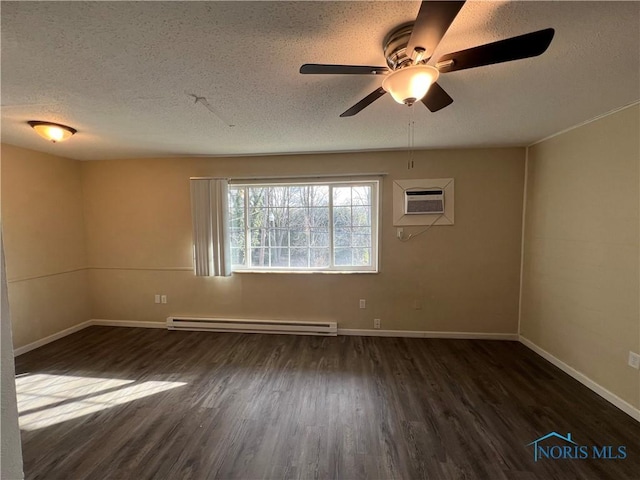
{"points": [[53, 132], [410, 84]]}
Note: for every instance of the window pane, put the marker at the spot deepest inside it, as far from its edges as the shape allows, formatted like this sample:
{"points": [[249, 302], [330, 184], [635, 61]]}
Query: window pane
{"points": [[320, 238], [319, 217], [236, 219], [279, 237], [259, 238], [299, 237], [320, 257], [278, 196], [361, 195], [342, 256], [360, 240], [342, 237], [342, 216], [236, 192], [237, 256], [361, 257], [257, 196], [300, 257], [288, 226], [260, 257], [341, 196], [258, 217], [298, 217], [278, 217], [279, 257], [361, 216], [236, 238], [236, 207], [319, 196], [298, 196]]}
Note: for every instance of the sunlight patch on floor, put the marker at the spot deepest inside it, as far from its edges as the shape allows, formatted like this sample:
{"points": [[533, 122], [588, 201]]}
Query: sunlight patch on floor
{"points": [[45, 400], [39, 390]]}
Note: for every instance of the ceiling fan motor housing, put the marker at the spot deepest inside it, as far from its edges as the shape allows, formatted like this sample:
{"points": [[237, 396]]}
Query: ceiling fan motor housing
{"points": [[395, 46]]}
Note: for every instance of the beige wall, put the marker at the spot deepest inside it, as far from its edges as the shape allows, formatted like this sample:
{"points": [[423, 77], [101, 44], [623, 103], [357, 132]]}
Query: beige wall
{"points": [[580, 298], [10, 447], [98, 239], [466, 276], [44, 243]]}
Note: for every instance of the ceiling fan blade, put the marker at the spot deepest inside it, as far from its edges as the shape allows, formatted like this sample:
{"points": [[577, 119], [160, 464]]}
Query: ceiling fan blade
{"points": [[321, 69], [514, 48], [432, 22], [365, 102], [436, 98]]}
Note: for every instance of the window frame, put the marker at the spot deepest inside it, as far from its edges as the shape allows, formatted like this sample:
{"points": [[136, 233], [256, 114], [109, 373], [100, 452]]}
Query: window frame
{"points": [[374, 182]]}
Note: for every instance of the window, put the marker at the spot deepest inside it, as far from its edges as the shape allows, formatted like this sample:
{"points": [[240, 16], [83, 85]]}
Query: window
{"points": [[323, 226]]}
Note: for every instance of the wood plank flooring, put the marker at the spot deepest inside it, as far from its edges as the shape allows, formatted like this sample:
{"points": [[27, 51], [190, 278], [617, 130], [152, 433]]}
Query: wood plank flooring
{"points": [[126, 403]]}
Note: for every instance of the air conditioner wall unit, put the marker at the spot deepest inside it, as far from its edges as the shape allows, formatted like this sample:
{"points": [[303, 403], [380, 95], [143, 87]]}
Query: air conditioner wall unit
{"points": [[420, 201]]}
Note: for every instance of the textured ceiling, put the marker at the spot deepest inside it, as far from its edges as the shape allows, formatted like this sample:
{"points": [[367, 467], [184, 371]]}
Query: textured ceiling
{"points": [[126, 75]]}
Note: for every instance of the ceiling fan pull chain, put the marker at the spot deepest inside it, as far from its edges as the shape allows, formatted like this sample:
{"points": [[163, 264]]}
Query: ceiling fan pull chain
{"points": [[409, 143], [411, 139]]}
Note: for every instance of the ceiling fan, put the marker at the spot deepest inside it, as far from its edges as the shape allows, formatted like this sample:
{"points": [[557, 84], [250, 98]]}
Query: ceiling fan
{"points": [[410, 46]]}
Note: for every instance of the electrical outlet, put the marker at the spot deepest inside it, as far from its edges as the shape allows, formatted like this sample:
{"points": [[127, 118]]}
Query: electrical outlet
{"points": [[417, 304], [634, 360], [164, 299], [363, 303], [399, 233], [376, 323], [157, 298]]}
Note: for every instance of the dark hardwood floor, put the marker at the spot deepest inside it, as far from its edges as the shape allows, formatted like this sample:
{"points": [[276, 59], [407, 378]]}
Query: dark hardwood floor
{"points": [[125, 403]]}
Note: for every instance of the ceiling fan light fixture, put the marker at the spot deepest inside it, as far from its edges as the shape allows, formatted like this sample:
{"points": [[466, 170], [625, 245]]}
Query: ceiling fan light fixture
{"points": [[53, 132], [410, 84]]}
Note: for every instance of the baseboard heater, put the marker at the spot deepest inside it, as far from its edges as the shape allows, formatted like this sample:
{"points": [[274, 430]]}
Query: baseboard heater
{"points": [[200, 324]]}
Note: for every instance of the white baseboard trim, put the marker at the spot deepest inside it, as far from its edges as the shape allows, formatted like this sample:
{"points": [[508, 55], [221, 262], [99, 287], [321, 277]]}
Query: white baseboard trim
{"points": [[357, 332], [127, 323], [612, 398], [51, 338], [81, 326], [427, 334], [341, 331]]}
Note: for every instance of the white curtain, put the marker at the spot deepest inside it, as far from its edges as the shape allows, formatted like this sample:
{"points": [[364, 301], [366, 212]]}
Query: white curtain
{"points": [[209, 213]]}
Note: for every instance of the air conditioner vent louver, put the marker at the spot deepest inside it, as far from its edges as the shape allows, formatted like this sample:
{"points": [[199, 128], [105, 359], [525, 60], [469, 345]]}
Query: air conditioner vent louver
{"points": [[423, 201]]}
